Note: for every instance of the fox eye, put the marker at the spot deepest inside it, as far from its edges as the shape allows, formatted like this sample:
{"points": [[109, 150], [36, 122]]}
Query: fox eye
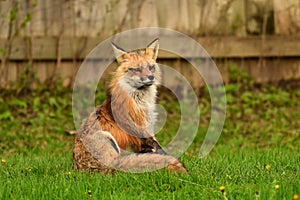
{"points": [[151, 67], [135, 69]]}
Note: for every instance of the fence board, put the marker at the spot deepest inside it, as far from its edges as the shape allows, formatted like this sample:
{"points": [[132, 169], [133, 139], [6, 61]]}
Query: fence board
{"points": [[199, 18], [45, 48]]}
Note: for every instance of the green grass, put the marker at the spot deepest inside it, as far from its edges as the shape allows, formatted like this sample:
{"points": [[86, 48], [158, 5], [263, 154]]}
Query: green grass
{"points": [[243, 174], [262, 128]]}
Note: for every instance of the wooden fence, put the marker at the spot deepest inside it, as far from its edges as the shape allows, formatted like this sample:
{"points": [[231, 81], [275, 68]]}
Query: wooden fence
{"points": [[52, 37]]}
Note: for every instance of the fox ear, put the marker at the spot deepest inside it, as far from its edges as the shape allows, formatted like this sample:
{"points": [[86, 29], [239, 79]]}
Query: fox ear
{"points": [[118, 51], [152, 49]]}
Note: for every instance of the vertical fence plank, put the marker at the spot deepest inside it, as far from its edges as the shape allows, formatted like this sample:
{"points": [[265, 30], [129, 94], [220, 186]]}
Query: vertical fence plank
{"points": [[148, 15], [5, 8], [287, 17], [38, 14], [194, 17]]}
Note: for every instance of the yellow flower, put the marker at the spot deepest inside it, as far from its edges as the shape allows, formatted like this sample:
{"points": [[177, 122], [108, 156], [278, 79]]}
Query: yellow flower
{"points": [[222, 188], [89, 192], [3, 161], [276, 186], [268, 167], [295, 197]]}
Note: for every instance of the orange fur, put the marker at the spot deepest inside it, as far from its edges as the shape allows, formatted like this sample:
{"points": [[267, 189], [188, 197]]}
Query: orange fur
{"points": [[136, 115], [135, 60], [124, 139], [107, 123], [124, 120]]}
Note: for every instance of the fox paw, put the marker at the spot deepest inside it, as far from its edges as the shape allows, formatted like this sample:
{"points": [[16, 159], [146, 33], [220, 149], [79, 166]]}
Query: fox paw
{"points": [[177, 167]]}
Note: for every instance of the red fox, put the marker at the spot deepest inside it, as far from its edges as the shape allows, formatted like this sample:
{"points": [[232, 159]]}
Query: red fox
{"points": [[125, 120]]}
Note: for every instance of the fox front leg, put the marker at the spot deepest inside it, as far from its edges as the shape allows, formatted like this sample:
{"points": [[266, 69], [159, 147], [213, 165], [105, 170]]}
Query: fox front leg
{"points": [[150, 145]]}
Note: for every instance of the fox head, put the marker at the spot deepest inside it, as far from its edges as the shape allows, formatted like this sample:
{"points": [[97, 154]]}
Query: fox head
{"points": [[137, 69]]}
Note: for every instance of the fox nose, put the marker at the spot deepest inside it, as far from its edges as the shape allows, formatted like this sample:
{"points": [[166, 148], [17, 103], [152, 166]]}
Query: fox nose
{"points": [[151, 77]]}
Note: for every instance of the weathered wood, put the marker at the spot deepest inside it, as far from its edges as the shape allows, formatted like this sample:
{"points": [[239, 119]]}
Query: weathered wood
{"points": [[45, 48], [273, 70], [287, 15], [104, 18], [5, 7], [62, 33]]}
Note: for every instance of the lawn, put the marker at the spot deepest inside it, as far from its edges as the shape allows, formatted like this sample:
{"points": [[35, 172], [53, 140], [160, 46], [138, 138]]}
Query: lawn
{"points": [[256, 157]]}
